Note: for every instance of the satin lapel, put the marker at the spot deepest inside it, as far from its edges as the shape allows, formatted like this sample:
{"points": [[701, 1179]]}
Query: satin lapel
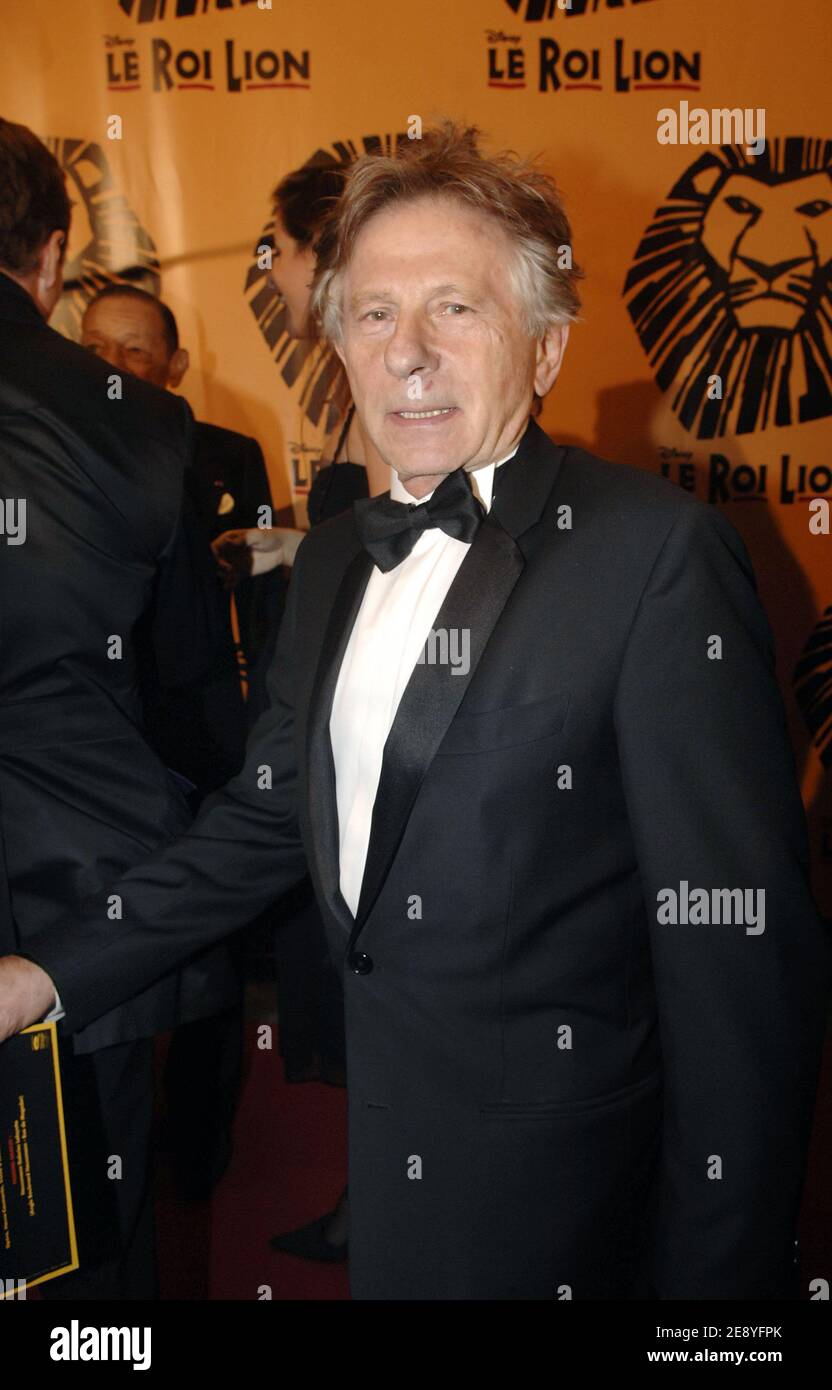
{"points": [[320, 763], [432, 696]]}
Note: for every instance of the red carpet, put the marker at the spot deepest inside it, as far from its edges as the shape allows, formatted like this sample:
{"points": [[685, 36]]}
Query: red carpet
{"points": [[289, 1166]]}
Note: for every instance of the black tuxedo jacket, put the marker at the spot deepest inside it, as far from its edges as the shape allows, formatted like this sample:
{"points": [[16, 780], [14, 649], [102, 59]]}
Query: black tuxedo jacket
{"points": [[198, 724], [231, 476], [233, 486], [550, 1093], [82, 796]]}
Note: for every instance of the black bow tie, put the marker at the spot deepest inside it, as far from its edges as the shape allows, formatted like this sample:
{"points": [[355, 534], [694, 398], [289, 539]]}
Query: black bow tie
{"points": [[389, 530]]}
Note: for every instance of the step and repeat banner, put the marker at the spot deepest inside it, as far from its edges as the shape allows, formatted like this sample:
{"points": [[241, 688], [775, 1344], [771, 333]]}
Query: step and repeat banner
{"points": [[691, 138]]}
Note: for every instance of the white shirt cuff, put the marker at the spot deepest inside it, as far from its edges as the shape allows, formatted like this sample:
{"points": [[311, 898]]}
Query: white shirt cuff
{"points": [[57, 1011]]}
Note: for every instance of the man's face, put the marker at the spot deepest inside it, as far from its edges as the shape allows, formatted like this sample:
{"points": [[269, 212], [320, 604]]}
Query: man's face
{"points": [[291, 274], [129, 335], [427, 298]]}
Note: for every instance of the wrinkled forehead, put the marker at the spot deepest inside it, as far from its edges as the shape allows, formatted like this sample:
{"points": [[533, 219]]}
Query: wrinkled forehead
{"points": [[119, 315], [434, 239]]}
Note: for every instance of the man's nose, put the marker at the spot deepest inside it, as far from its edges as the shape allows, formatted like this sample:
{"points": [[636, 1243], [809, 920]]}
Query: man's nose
{"points": [[409, 348]]}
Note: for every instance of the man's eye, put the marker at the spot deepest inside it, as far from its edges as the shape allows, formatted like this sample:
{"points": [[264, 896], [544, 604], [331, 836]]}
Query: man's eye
{"points": [[371, 312], [462, 307]]}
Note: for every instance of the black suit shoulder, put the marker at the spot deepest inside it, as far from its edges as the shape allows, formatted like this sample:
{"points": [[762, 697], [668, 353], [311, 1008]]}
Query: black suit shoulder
{"points": [[49, 371], [633, 514], [330, 539], [133, 448], [231, 475], [220, 442], [639, 495]]}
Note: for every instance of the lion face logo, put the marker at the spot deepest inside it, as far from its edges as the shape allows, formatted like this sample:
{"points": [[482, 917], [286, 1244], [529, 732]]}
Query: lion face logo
{"points": [[772, 244], [107, 243], [733, 279], [813, 686]]}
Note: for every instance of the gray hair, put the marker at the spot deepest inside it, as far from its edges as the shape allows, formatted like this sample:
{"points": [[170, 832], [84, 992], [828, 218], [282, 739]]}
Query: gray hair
{"points": [[446, 162]]}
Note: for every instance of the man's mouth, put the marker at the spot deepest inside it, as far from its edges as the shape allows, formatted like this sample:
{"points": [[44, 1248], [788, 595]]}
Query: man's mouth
{"points": [[424, 414]]}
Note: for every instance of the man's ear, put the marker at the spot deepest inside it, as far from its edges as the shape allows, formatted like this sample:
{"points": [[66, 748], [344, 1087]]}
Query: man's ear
{"points": [[549, 356], [178, 365], [51, 261]]}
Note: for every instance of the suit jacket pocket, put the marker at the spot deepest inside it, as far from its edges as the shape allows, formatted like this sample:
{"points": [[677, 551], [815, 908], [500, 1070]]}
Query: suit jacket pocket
{"points": [[506, 728], [545, 1110]]}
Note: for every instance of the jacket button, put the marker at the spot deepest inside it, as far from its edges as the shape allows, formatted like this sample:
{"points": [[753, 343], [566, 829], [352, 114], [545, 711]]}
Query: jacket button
{"points": [[360, 963]]}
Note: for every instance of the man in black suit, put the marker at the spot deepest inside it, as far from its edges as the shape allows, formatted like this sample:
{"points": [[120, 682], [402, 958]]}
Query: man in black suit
{"points": [[200, 725], [135, 332], [524, 726], [94, 460]]}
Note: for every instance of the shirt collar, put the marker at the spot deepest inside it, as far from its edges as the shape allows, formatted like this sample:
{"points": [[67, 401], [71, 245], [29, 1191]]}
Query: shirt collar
{"points": [[482, 483]]}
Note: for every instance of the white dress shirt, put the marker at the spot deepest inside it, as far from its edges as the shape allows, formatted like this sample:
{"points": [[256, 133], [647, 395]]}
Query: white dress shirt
{"points": [[396, 616]]}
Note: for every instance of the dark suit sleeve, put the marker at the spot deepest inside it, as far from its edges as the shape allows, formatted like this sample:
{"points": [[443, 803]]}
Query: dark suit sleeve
{"points": [[257, 600], [187, 623], [257, 492], [243, 850], [713, 800]]}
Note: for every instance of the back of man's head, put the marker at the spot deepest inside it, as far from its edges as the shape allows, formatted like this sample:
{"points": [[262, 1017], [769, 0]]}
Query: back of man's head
{"points": [[35, 213]]}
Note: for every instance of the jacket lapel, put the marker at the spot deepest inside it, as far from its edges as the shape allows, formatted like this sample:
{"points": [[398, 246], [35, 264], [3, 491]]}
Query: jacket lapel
{"points": [[432, 696], [320, 763], [474, 602]]}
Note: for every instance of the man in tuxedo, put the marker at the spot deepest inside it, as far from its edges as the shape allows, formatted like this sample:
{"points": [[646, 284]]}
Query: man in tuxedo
{"points": [[520, 708], [94, 463]]}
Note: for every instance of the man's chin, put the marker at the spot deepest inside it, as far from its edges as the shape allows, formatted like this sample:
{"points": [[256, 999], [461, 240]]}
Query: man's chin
{"points": [[414, 457], [428, 467]]}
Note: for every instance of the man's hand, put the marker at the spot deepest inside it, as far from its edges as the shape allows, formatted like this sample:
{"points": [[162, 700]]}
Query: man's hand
{"points": [[26, 994], [248, 553]]}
